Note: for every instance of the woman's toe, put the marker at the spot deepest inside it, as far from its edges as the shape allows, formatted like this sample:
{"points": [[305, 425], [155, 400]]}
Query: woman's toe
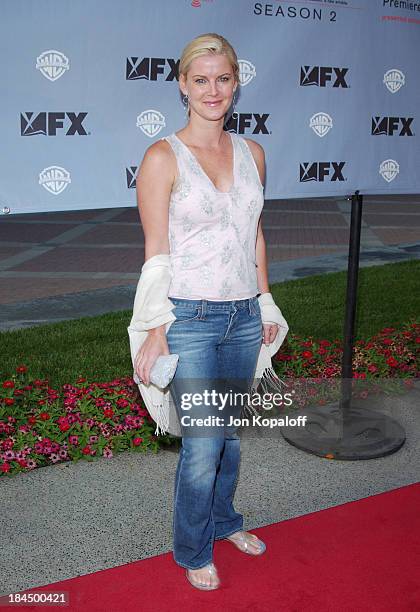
{"points": [[255, 542]]}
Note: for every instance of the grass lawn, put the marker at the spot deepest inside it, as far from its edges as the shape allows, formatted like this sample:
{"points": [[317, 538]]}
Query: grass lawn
{"points": [[97, 347]]}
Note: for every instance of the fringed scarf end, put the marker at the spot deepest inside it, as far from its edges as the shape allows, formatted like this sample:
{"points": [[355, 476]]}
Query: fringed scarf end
{"points": [[249, 408], [270, 381], [161, 420]]}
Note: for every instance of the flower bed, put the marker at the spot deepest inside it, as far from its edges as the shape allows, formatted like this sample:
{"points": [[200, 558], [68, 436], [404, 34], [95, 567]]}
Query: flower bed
{"points": [[390, 353], [388, 362], [40, 425]]}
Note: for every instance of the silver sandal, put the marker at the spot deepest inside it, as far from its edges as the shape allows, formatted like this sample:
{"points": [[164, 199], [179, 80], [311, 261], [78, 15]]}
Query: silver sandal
{"points": [[211, 568], [242, 542]]}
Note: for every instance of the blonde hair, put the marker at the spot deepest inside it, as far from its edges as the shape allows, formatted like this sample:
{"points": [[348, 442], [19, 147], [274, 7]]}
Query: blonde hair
{"points": [[203, 45]]}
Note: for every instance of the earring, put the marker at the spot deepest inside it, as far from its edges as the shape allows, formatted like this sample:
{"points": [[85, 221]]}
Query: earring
{"points": [[234, 105], [186, 105]]}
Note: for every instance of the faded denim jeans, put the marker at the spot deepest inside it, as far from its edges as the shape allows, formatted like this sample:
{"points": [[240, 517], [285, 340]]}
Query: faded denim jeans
{"points": [[218, 344]]}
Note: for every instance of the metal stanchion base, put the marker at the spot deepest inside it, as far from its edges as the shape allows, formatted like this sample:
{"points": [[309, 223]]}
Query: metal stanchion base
{"points": [[366, 434]]}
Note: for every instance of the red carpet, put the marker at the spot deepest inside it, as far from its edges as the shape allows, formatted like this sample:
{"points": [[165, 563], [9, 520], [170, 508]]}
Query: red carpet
{"points": [[359, 556]]}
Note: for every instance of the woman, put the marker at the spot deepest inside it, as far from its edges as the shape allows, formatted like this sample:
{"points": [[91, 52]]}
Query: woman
{"points": [[200, 195]]}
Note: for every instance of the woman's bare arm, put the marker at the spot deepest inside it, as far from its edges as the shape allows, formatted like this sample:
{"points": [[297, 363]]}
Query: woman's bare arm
{"points": [[261, 259], [153, 187], [270, 329], [260, 248]]}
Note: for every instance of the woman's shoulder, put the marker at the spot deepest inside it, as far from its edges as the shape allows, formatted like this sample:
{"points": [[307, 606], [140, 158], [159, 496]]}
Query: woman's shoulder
{"points": [[158, 153], [160, 148], [159, 160], [255, 147], [258, 154], [257, 151]]}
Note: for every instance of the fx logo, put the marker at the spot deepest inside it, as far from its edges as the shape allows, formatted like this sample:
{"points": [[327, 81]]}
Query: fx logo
{"points": [[241, 122], [389, 125], [318, 171], [150, 68], [130, 175], [48, 123], [321, 75]]}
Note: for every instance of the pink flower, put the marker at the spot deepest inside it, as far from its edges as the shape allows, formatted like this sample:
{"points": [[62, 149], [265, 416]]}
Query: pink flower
{"points": [[63, 424], [122, 402]]}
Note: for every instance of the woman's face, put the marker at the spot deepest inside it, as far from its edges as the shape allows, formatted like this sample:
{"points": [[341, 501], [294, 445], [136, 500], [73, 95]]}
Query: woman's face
{"points": [[210, 86]]}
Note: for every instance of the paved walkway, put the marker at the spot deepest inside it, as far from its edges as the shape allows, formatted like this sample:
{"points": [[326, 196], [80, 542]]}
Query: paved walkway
{"points": [[63, 265]]}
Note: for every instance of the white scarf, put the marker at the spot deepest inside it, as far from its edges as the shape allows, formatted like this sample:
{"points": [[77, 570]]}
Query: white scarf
{"points": [[153, 308]]}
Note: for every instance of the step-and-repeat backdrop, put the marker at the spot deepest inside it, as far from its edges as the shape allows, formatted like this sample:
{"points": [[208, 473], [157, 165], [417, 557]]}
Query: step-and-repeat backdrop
{"points": [[330, 89]]}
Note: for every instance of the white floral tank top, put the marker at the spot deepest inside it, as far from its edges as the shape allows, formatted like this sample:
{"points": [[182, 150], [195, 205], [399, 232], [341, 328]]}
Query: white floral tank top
{"points": [[212, 234]]}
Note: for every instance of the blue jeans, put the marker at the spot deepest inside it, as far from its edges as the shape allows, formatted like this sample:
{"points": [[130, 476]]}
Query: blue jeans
{"points": [[218, 343]]}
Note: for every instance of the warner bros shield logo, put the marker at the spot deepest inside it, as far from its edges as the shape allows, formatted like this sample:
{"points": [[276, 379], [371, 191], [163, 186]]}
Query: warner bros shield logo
{"points": [[52, 64], [389, 169], [54, 179], [151, 122], [394, 79]]}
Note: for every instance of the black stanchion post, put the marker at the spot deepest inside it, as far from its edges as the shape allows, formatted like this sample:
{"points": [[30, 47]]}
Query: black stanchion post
{"points": [[351, 302], [340, 430]]}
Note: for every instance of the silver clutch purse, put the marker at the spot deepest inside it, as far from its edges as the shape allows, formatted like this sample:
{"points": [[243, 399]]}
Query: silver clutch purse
{"points": [[163, 370]]}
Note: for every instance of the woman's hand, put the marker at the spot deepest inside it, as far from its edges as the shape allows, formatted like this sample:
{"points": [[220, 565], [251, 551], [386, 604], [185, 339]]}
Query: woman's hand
{"points": [[154, 346], [270, 332]]}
